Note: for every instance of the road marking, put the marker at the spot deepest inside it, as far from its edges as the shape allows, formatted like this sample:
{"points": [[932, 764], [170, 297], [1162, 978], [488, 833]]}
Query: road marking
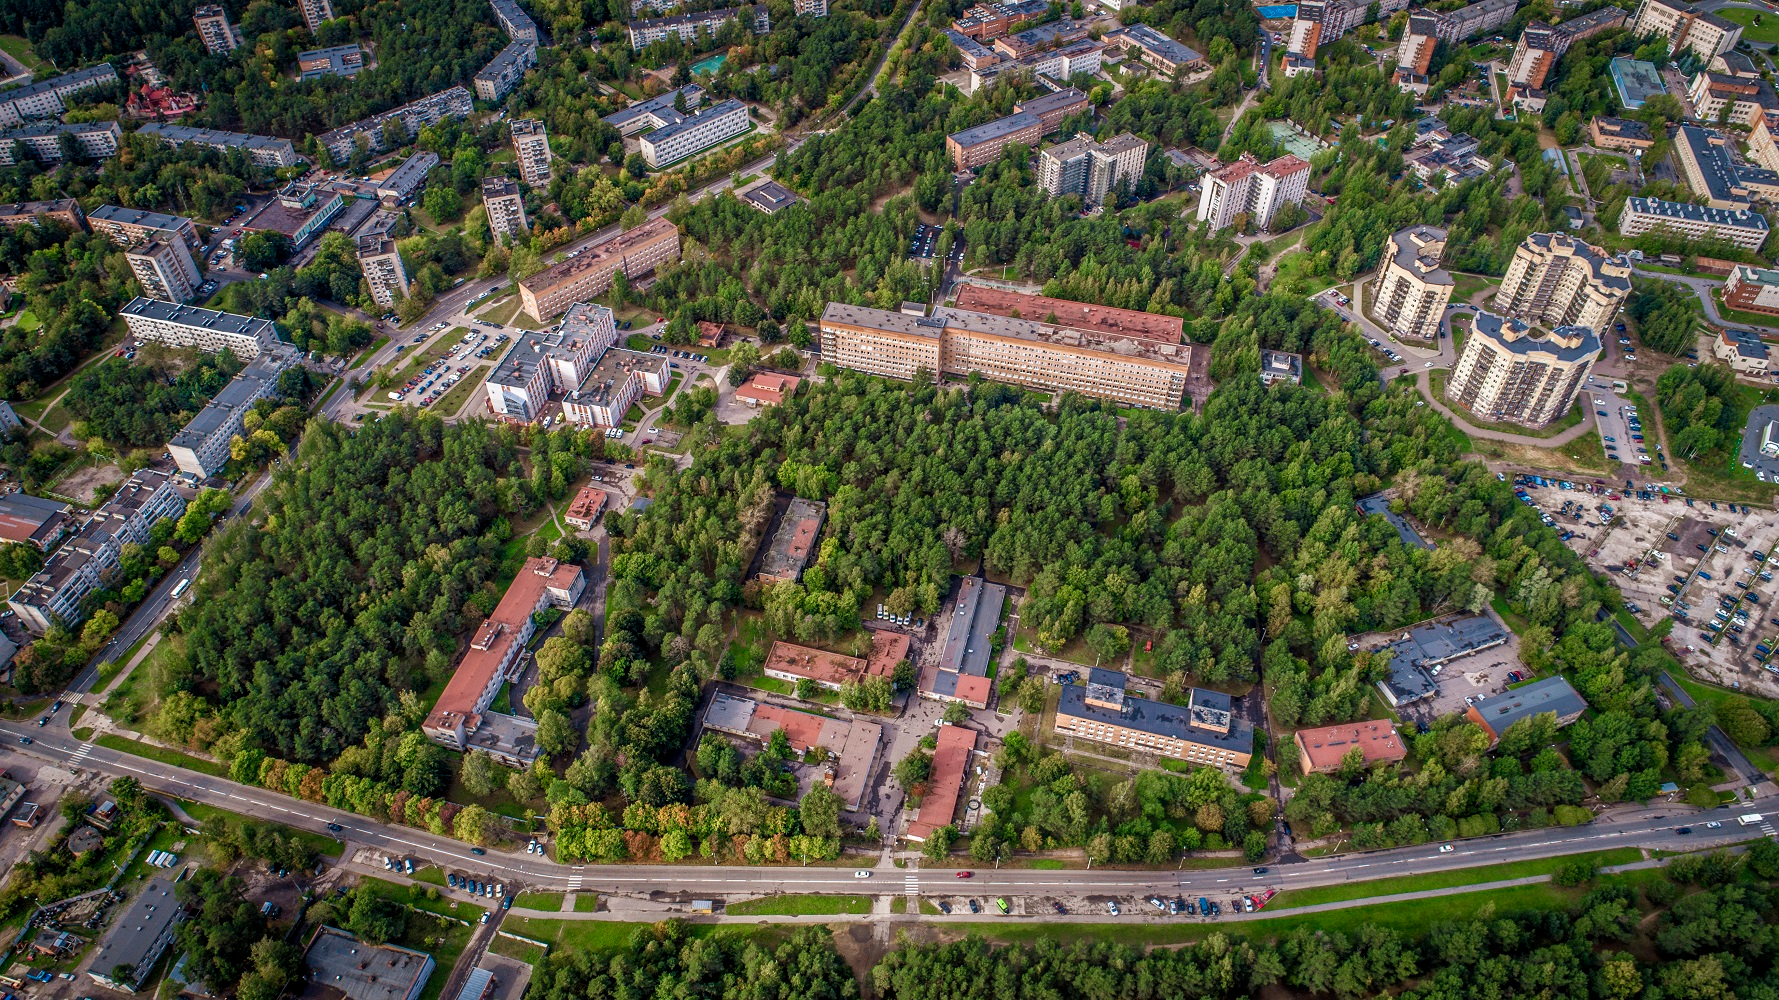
{"points": [[911, 885], [81, 753]]}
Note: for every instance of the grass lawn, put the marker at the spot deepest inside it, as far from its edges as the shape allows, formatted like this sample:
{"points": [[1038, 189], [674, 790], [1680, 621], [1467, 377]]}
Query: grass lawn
{"points": [[20, 49], [586, 902], [820, 904], [1466, 285], [539, 900], [639, 342], [112, 741], [133, 702], [432, 875], [500, 311], [611, 935], [444, 940], [109, 670], [1766, 758], [322, 845], [429, 900], [1444, 880], [375, 346], [530, 954], [452, 401], [1766, 31], [28, 322]]}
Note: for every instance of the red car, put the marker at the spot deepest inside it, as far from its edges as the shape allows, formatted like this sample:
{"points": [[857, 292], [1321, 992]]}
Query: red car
{"points": [[965, 874]]}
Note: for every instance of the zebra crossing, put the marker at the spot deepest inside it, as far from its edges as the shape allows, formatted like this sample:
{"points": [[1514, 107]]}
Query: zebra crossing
{"points": [[575, 880], [81, 754], [911, 884], [1766, 828]]}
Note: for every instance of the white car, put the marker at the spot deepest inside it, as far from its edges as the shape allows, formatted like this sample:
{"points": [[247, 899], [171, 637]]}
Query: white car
{"points": [[1427, 365], [1445, 848], [861, 873]]}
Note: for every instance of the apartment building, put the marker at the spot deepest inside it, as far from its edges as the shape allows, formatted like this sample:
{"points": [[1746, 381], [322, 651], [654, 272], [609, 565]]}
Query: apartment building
{"points": [[506, 209], [552, 362], [201, 447], [531, 147], [636, 253], [1745, 229], [1714, 175], [1091, 169], [619, 379], [460, 720], [514, 21], [1414, 290], [1557, 280], [32, 521], [1054, 107], [1414, 55], [1479, 18], [84, 562], [335, 60], [656, 112], [1626, 134], [1108, 321], [985, 22], [205, 329], [407, 180], [1024, 352], [1323, 750], [1761, 147], [1248, 186], [505, 70], [51, 142], [1511, 372], [263, 150], [695, 133], [1058, 64], [983, 144], [128, 226], [1206, 731], [64, 210], [315, 12], [452, 102], [1317, 22], [1743, 351], [1685, 27], [811, 8], [1587, 26], [138, 938], [383, 271], [164, 268], [1156, 50], [646, 30], [1746, 100], [1752, 289], [48, 98], [1535, 55], [214, 29]]}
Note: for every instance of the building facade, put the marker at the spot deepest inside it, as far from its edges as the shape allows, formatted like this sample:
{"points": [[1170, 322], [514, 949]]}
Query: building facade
{"points": [[48, 98], [214, 29], [383, 271], [201, 447], [1414, 290], [1204, 732], [63, 210], [129, 226], [1743, 351], [1761, 147], [506, 209], [1514, 373], [1752, 289], [261, 149], [452, 102], [695, 133], [552, 362], [635, 253], [1620, 133], [1156, 50], [1747, 100], [205, 329], [514, 21], [164, 268], [620, 378], [531, 147], [1706, 35], [51, 142], [1557, 280], [1414, 54], [1091, 169], [974, 147], [645, 30], [1248, 186], [505, 70], [315, 12], [1745, 229], [84, 563]]}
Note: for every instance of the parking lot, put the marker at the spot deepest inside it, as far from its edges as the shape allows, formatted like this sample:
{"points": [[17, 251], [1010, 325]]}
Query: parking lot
{"points": [[1620, 425], [1189, 906], [925, 243], [1753, 456], [1460, 681]]}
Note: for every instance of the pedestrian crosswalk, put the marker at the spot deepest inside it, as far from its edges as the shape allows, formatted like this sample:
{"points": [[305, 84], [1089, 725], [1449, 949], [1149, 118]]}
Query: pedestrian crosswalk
{"points": [[1766, 828], [911, 882], [85, 750], [575, 880]]}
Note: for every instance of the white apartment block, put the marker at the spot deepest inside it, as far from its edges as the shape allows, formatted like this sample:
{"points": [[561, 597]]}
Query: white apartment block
{"points": [[201, 448], [205, 329], [1755, 289], [127, 226], [452, 102], [550, 363], [505, 70], [1510, 372], [811, 8], [1745, 229], [315, 12], [214, 29], [263, 150], [531, 146], [646, 30], [1413, 291], [83, 563], [381, 263], [1557, 280], [695, 133], [506, 209], [1249, 186], [1707, 35], [48, 99], [1761, 147], [164, 268], [1091, 169], [43, 142]]}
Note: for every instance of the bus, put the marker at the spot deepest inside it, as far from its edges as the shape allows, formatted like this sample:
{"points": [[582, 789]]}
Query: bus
{"points": [[179, 588]]}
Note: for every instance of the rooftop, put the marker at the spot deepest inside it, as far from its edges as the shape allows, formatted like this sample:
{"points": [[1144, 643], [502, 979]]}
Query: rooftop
{"points": [[1160, 44], [818, 665], [1553, 694], [660, 106], [997, 130], [1202, 722], [697, 118], [854, 744], [504, 60], [339, 961], [606, 253], [488, 648], [210, 137], [410, 174], [1107, 320], [1325, 747], [1417, 250], [138, 936], [254, 382], [92, 74], [1740, 218], [768, 388], [1746, 343], [138, 217], [1565, 343], [770, 197], [604, 379], [951, 764], [794, 540], [23, 516], [210, 319]]}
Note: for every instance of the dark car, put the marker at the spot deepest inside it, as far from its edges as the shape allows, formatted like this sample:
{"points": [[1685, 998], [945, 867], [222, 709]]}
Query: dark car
{"points": [[1702, 548], [944, 907], [335, 827], [1260, 871], [1673, 537], [1060, 908], [477, 850], [975, 907], [1684, 830]]}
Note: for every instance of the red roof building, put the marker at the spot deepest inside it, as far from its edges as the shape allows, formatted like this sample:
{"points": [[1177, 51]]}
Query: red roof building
{"points": [[768, 389], [1074, 315], [588, 504], [951, 765], [1323, 749]]}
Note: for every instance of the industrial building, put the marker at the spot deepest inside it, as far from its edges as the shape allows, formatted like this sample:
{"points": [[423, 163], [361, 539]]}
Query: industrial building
{"points": [[1745, 229], [636, 253], [1206, 731], [263, 150], [1414, 290], [961, 672], [138, 938]]}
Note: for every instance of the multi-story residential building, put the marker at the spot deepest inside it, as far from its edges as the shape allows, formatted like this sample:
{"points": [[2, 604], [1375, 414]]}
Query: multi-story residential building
{"points": [[1557, 280], [1535, 55], [1745, 229], [1324, 750], [407, 179], [1746, 100], [1205, 732], [1413, 292], [1685, 27], [1551, 696], [214, 29], [1316, 22], [51, 142], [1107, 321], [460, 720], [1091, 169], [1058, 64], [1714, 175], [1054, 107], [695, 133], [1743, 351], [48, 98], [656, 112], [811, 8], [1761, 147], [505, 70], [1414, 55], [205, 329], [381, 263], [552, 363], [1620, 133], [261, 149], [1026, 352], [335, 60], [83, 563], [1248, 186], [531, 147], [452, 102], [610, 387], [986, 22], [1156, 50], [128, 226], [315, 12], [164, 268], [646, 30], [1588, 25], [1512, 372], [1752, 289], [983, 144], [139, 937], [514, 21], [64, 210], [506, 209], [1478, 18], [201, 448], [635, 253]]}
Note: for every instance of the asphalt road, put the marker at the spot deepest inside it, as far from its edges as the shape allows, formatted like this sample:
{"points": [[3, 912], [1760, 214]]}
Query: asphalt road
{"points": [[1652, 829]]}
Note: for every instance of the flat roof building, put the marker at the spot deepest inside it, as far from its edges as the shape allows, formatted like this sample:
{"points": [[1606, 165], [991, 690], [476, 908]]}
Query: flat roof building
{"points": [[694, 133], [584, 511], [43, 142], [1281, 366], [852, 746], [531, 147], [47, 98], [315, 13], [82, 564], [770, 197], [1419, 651], [1557, 280], [205, 329], [452, 102], [163, 267], [549, 363], [951, 766], [1206, 731], [32, 521], [138, 938], [636, 253], [961, 672], [505, 70], [1745, 229], [1752, 289], [767, 389], [384, 273], [1157, 50], [982, 144], [1250, 187], [1743, 351], [1323, 749], [794, 542], [1087, 316], [1686, 28], [1378, 505], [1620, 133], [344, 965], [610, 387], [300, 213], [1414, 290], [409, 178], [514, 21], [201, 447], [1635, 80], [506, 209], [214, 29], [1746, 99], [64, 210], [264, 150], [129, 226], [1091, 169], [1552, 695], [646, 30], [656, 112], [335, 60]]}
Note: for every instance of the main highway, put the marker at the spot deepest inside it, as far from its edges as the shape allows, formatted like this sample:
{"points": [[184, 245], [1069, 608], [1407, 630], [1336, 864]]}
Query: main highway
{"points": [[1654, 828]]}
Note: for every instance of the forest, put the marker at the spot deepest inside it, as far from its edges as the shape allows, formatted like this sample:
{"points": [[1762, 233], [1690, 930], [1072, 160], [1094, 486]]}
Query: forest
{"points": [[142, 404], [72, 284]]}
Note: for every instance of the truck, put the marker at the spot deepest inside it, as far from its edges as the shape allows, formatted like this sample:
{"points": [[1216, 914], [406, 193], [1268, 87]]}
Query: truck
{"points": [[1749, 819]]}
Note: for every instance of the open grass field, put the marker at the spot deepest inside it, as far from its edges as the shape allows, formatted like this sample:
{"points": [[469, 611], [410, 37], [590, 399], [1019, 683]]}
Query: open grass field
{"points": [[609, 935], [112, 741], [1757, 26], [800, 905], [20, 49], [1443, 880]]}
